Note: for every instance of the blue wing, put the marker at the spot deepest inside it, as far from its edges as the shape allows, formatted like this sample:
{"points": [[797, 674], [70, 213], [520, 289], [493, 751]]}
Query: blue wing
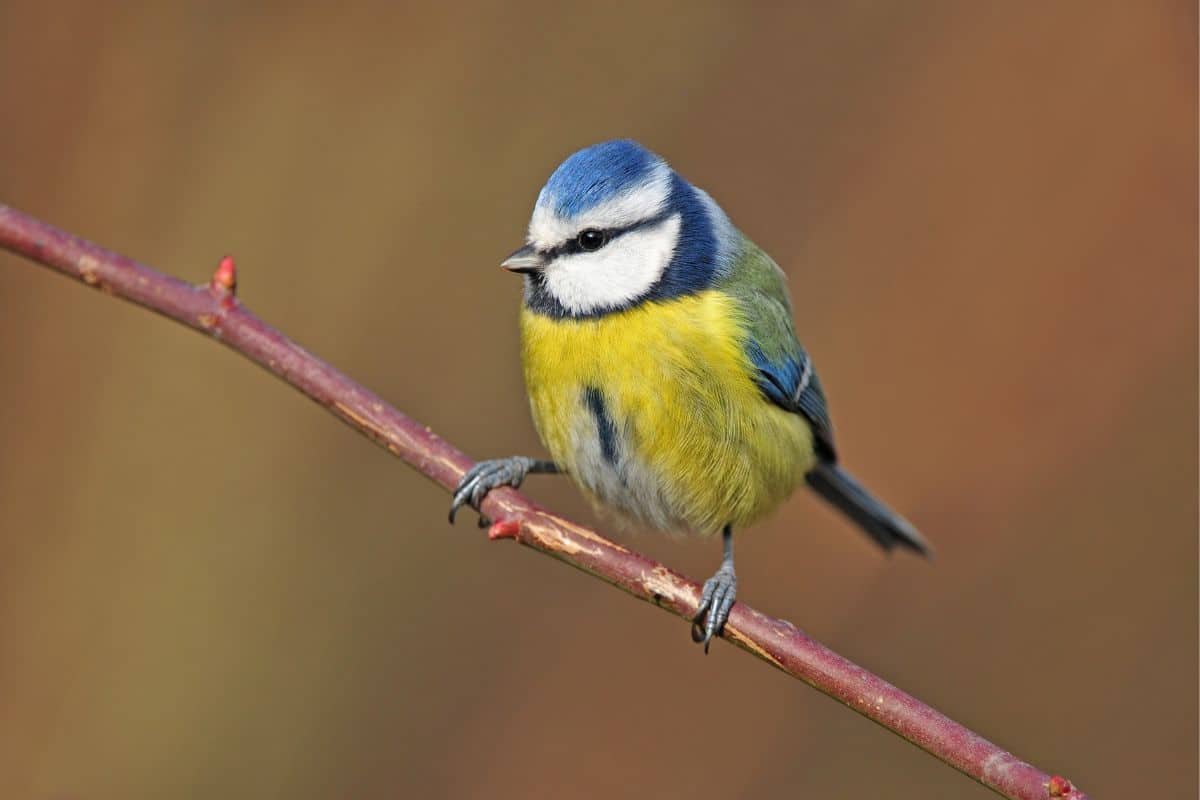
{"points": [[792, 384], [783, 371], [784, 374]]}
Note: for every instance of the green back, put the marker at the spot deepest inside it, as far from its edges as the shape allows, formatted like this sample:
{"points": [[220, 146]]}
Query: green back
{"points": [[785, 372]]}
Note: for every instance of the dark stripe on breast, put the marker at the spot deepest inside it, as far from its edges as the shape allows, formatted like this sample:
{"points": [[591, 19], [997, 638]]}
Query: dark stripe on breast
{"points": [[604, 423]]}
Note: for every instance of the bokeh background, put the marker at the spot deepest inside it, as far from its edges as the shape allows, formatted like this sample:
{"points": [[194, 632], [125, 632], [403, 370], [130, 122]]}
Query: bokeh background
{"points": [[210, 588]]}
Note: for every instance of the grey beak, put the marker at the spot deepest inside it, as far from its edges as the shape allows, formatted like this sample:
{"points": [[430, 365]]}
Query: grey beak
{"points": [[524, 261]]}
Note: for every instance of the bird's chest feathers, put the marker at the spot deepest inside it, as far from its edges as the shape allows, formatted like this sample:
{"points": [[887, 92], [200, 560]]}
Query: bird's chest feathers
{"points": [[643, 363], [646, 405]]}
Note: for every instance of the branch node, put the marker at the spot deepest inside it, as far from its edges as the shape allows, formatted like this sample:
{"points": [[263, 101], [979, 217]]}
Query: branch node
{"points": [[88, 267], [504, 529], [224, 280], [1059, 786]]}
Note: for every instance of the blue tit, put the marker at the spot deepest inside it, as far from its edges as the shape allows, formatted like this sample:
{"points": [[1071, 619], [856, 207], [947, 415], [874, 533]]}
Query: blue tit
{"points": [[662, 365]]}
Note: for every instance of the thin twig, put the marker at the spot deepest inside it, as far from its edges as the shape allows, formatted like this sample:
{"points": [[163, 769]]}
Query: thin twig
{"points": [[214, 309]]}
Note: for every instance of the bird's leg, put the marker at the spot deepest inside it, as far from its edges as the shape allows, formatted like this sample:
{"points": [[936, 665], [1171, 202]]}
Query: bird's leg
{"points": [[487, 475], [717, 597]]}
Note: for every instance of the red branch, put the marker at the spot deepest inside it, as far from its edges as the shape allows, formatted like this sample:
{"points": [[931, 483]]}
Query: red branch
{"points": [[214, 309]]}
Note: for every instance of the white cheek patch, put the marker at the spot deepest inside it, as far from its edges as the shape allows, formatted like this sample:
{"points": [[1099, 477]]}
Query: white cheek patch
{"points": [[646, 200], [623, 270]]}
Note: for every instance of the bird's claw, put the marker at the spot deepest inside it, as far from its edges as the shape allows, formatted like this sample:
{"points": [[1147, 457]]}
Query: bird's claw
{"points": [[716, 599], [485, 476]]}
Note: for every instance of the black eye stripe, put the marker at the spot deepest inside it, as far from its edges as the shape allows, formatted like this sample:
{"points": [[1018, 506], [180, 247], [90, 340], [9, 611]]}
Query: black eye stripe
{"points": [[572, 245]]}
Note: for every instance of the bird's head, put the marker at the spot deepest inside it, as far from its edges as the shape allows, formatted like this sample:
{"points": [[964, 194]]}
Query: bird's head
{"points": [[616, 226]]}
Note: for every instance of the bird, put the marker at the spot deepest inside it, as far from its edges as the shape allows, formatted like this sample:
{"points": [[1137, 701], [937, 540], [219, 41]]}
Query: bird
{"points": [[663, 369]]}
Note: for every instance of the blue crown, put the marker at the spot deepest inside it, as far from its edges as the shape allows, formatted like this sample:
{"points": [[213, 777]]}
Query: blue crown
{"points": [[595, 174]]}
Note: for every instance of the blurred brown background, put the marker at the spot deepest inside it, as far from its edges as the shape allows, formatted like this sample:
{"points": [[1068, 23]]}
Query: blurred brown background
{"points": [[210, 588]]}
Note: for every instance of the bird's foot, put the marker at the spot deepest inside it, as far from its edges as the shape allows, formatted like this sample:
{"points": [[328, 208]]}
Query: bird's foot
{"points": [[487, 475], [716, 600]]}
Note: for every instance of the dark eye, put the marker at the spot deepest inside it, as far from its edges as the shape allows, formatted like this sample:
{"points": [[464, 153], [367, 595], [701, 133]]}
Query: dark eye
{"points": [[592, 239]]}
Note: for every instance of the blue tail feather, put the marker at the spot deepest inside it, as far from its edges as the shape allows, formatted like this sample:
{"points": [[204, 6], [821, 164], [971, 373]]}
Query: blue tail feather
{"points": [[885, 526]]}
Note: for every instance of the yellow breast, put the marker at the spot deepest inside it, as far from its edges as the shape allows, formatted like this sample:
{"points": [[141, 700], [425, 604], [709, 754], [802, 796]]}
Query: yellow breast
{"points": [[691, 443]]}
